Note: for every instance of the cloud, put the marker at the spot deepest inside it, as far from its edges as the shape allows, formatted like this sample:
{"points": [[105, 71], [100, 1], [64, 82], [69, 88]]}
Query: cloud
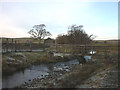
{"points": [[18, 18], [106, 32], [12, 31], [9, 27]]}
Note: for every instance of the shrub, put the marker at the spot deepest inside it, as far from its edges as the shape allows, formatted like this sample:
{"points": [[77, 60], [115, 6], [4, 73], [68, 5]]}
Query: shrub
{"points": [[57, 57]]}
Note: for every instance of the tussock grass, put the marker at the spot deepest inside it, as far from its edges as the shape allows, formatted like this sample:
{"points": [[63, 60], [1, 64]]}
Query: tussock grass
{"points": [[27, 59], [79, 75]]}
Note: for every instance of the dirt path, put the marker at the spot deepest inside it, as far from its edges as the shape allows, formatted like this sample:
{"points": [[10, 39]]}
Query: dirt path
{"points": [[107, 78]]}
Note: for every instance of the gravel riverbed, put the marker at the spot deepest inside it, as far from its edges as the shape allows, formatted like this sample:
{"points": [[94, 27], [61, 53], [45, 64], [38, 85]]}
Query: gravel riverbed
{"points": [[48, 80]]}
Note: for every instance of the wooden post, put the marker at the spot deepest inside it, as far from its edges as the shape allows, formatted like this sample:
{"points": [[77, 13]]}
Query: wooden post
{"points": [[105, 52], [12, 45], [15, 46], [83, 50], [105, 56], [6, 44], [30, 46], [83, 53], [56, 47]]}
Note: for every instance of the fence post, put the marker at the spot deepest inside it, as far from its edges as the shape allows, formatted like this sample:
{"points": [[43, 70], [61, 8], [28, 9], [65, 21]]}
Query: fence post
{"points": [[30, 46], [6, 44], [12, 45], [105, 56], [15, 45]]}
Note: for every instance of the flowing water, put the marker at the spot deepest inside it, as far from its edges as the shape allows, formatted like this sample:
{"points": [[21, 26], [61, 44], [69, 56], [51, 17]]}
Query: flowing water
{"points": [[35, 71]]}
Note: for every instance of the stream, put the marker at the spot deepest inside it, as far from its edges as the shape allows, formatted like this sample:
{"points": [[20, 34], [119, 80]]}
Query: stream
{"points": [[35, 71]]}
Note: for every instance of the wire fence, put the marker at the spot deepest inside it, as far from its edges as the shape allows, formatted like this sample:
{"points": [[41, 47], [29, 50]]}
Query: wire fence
{"points": [[15, 46]]}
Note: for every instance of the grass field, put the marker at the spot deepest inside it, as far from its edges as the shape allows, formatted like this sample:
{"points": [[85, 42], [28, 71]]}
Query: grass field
{"points": [[95, 42], [25, 59]]}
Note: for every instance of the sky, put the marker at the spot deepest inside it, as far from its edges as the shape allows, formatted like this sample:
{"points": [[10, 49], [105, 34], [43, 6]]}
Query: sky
{"points": [[98, 18]]}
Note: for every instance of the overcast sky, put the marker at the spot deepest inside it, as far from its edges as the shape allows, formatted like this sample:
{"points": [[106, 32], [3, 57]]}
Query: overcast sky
{"points": [[98, 18]]}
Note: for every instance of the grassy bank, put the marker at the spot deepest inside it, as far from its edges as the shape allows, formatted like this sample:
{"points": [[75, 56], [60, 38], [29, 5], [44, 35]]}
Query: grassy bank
{"points": [[75, 77], [16, 61], [80, 74]]}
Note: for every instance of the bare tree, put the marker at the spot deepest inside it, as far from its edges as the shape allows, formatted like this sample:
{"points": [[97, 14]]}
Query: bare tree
{"points": [[39, 32]]}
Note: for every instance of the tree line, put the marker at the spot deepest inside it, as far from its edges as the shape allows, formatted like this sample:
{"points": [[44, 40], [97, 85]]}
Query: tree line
{"points": [[75, 35]]}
